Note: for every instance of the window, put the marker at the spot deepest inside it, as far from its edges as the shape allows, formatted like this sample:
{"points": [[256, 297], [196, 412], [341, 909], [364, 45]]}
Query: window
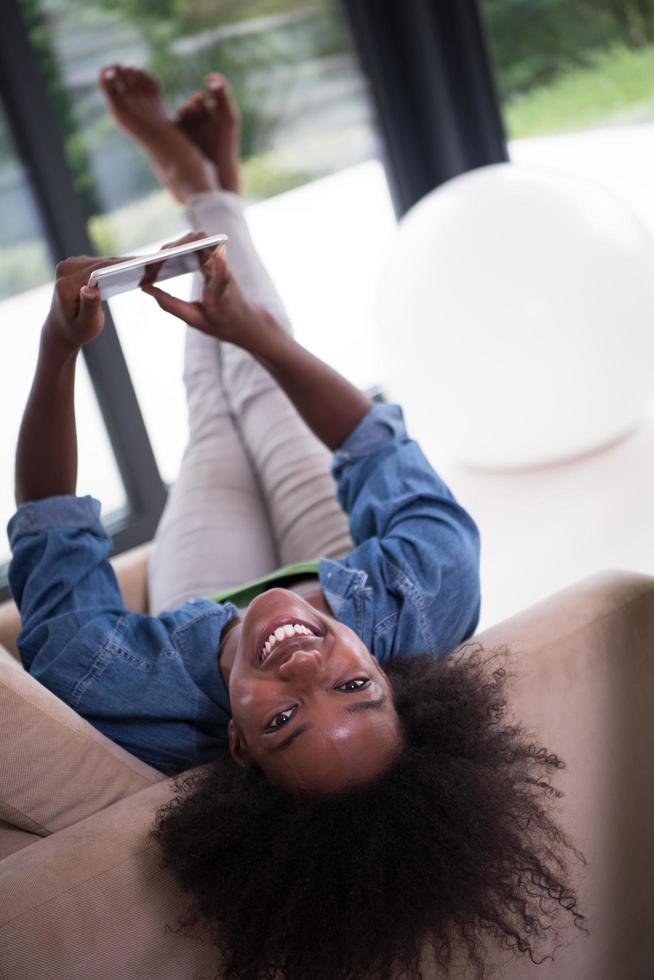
{"points": [[308, 146], [316, 190], [577, 88], [25, 289]]}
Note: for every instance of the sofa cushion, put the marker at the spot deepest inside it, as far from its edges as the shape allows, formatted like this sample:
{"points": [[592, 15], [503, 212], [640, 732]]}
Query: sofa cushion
{"points": [[56, 768], [13, 839], [91, 901]]}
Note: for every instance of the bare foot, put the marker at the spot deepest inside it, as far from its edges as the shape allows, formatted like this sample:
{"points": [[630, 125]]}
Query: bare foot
{"points": [[136, 103], [211, 119]]}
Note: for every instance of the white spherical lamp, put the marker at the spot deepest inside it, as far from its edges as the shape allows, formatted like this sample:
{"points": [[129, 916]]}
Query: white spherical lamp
{"points": [[517, 314]]}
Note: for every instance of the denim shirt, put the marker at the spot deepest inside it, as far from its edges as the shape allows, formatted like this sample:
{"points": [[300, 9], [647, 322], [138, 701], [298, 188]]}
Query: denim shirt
{"points": [[152, 683]]}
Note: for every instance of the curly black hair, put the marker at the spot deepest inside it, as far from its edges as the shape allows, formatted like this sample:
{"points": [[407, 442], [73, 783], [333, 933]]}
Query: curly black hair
{"points": [[452, 846]]}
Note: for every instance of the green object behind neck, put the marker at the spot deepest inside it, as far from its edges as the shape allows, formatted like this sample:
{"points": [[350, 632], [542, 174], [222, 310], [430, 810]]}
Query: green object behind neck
{"points": [[242, 595]]}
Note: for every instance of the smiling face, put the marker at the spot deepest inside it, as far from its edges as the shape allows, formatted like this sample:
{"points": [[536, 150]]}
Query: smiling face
{"points": [[310, 705]]}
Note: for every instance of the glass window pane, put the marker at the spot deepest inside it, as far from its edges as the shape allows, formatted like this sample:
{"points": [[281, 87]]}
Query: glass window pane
{"points": [[570, 65], [318, 202], [24, 261], [577, 87], [25, 292]]}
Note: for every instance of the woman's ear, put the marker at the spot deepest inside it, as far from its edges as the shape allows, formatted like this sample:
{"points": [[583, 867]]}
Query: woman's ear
{"points": [[237, 746]]}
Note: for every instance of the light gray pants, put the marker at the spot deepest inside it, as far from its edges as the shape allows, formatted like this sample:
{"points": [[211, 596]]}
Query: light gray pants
{"points": [[255, 489]]}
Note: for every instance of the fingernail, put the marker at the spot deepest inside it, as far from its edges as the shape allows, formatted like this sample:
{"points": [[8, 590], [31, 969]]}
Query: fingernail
{"points": [[110, 73], [87, 292], [215, 83]]}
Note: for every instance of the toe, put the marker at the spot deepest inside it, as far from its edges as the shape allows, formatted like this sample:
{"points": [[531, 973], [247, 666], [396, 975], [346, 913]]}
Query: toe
{"points": [[114, 80], [107, 76], [119, 80], [214, 81], [187, 118], [188, 104], [129, 76], [184, 113], [148, 81], [138, 80], [194, 107], [215, 88], [220, 98]]}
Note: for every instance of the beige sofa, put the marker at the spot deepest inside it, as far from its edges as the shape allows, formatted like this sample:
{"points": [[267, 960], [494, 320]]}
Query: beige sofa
{"points": [[81, 893]]}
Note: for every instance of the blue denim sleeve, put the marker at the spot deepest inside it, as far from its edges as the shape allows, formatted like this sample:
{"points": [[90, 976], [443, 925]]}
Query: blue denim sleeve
{"points": [[151, 684], [59, 574], [382, 422], [418, 546]]}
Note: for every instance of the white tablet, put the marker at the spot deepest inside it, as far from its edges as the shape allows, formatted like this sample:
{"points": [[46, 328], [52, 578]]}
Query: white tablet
{"points": [[150, 269]]}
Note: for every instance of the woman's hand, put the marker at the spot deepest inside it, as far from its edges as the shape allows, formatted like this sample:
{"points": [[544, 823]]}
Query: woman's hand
{"points": [[223, 312], [46, 454], [329, 404], [76, 316]]}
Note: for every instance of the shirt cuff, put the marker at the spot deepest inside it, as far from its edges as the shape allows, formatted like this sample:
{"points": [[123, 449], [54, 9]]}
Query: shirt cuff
{"points": [[55, 512], [381, 422]]}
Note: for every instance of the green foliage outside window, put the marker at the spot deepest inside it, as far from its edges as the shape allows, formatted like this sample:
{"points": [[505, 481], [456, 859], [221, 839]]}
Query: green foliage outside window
{"points": [[565, 64], [262, 46], [561, 65], [37, 25]]}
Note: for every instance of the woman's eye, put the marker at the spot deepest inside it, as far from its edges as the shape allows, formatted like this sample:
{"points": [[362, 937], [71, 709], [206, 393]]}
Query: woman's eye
{"points": [[280, 720], [358, 682], [283, 717]]}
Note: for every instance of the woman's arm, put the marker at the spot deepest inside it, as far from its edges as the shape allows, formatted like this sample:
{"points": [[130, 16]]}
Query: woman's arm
{"points": [[328, 403], [418, 547], [46, 455]]}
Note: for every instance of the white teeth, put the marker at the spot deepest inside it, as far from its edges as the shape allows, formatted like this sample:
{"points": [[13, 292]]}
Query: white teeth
{"points": [[281, 633]]}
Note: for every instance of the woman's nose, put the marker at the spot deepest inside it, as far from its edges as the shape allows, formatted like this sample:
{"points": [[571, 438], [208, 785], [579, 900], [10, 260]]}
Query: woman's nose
{"points": [[300, 664]]}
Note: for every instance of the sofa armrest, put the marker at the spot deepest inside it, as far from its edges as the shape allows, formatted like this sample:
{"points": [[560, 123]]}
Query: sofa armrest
{"points": [[582, 666], [132, 571]]}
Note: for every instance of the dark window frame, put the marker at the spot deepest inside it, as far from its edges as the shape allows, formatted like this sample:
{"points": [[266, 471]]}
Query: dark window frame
{"points": [[33, 124]]}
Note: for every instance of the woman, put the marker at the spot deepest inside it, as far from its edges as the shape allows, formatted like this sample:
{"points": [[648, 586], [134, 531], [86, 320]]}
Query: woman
{"points": [[351, 819]]}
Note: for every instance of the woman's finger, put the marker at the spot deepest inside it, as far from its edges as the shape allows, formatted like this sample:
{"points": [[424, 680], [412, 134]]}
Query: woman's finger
{"points": [[90, 313], [215, 268], [188, 312], [191, 236], [203, 256]]}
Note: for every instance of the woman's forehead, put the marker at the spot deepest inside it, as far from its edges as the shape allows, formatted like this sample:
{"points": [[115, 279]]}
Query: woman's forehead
{"points": [[354, 748]]}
